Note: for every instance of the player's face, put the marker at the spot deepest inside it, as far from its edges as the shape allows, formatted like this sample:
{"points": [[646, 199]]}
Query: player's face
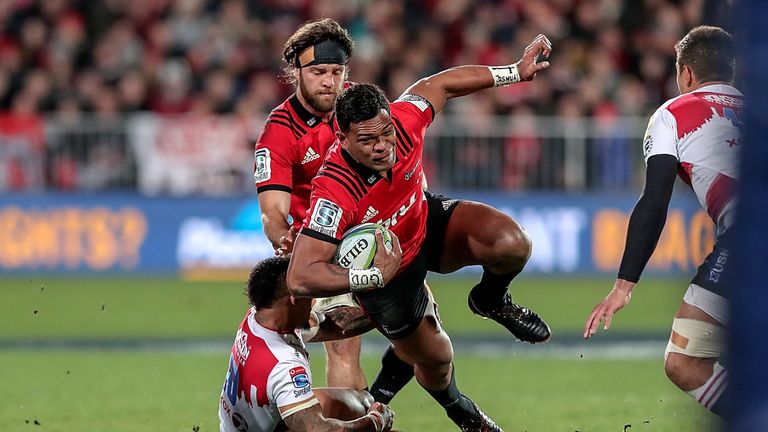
{"points": [[372, 142], [319, 85]]}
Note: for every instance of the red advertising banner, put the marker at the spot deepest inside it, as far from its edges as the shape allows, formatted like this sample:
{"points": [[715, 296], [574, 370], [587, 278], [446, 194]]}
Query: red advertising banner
{"points": [[22, 151]]}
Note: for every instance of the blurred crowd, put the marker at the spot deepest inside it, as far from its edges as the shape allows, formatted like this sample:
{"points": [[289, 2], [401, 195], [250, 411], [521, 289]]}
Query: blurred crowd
{"points": [[612, 58]]}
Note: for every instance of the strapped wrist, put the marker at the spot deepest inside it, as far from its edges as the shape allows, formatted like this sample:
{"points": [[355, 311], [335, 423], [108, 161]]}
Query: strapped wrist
{"points": [[504, 75], [363, 279]]}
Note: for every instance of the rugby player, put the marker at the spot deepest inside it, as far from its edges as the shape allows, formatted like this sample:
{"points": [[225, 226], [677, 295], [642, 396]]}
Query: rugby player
{"points": [[376, 163], [290, 151], [288, 155], [268, 385], [694, 136]]}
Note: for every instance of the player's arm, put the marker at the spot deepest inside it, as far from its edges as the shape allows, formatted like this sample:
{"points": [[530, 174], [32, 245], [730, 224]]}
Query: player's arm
{"points": [[312, 274], [275, 206], [378, 419], [643, 232], [340, 322], [463, 80]]}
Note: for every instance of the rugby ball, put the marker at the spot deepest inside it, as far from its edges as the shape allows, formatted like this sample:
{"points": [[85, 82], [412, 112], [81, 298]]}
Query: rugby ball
{"points": [[358, 246]]}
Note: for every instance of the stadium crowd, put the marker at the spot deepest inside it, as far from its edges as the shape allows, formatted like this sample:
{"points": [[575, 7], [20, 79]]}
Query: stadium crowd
{"points": [[614, 57]]}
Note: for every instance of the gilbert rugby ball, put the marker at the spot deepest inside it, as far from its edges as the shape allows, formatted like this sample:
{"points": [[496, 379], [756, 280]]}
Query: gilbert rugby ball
{"points": [[358, 246]]}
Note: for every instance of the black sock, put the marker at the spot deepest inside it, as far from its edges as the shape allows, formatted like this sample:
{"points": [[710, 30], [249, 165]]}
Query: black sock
{"points": [[492, 287], [721, 407], [392, 377], [456, 405]]}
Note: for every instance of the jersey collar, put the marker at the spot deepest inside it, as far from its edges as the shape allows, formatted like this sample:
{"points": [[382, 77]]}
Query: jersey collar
{"points": [[369, 176], [307, 117]]}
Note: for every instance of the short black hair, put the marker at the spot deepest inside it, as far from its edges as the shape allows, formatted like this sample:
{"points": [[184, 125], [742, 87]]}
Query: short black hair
{"points": [[266, 283], [710, 52], [358, 103], [312, 33]]}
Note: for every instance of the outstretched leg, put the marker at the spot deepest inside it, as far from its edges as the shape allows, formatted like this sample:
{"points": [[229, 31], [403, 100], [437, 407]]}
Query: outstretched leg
{"points": [[479, 234]]}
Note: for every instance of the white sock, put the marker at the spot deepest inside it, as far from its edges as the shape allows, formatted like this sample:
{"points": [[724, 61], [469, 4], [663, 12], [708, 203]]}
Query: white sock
{"points": [[710, 392]]}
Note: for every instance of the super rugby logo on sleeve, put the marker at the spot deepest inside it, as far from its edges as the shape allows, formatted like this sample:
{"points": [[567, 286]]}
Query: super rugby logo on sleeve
{"points": [[421, 103], [326, 217], [299, 377], [262, 169]]}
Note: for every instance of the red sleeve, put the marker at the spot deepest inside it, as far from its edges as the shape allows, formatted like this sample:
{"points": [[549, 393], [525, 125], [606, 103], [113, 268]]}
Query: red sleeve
{"points": [[412, 115], [274, 159], [331, 211]]}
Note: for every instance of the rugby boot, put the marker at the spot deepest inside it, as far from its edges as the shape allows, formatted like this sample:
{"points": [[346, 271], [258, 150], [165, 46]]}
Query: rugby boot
{"points": [[477, 422], [522, 322]]}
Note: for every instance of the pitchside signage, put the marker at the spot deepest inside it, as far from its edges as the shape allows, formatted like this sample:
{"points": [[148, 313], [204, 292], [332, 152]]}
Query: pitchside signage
{"points": [[214, 238]]}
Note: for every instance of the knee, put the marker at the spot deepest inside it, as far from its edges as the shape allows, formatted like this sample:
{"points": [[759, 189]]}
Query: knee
{"points": [[513, 245], [682, 370]]}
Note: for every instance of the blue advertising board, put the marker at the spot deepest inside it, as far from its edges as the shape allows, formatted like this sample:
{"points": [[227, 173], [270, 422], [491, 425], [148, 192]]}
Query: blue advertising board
{"points": [[214, 238]]}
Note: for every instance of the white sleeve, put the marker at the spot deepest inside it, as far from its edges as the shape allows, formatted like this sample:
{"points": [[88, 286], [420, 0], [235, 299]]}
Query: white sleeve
{"points": [[290, 387], [660, 135]]}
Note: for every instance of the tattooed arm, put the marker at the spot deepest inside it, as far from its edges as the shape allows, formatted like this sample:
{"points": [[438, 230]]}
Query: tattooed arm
{"points": [[340, 322], [378, 419]]}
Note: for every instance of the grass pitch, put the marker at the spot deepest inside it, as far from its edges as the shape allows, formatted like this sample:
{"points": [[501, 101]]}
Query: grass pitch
{"points": [[152, 391], [156, 390]]}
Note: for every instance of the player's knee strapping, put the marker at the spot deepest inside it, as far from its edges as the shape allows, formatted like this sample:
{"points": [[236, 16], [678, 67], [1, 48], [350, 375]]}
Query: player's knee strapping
{"points": [[696, 338], [700, 339]]}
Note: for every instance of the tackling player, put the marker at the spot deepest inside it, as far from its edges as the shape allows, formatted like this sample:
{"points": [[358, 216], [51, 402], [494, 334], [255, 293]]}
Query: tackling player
{"points": [[696, 136], [376, 164], [269, 383]]}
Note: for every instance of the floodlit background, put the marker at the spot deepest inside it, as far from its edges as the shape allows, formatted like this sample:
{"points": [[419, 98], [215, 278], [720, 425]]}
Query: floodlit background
{"points": [[128, 217]]}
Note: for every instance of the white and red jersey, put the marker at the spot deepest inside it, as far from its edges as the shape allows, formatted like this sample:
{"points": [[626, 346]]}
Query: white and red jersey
{"points": [[701, 130], [268, 373], [346, 193], [290, 151]]}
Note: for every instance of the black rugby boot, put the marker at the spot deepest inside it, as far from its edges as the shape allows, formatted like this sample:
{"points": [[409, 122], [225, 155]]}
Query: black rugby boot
{"points": [[477, 422], [522, 322]]}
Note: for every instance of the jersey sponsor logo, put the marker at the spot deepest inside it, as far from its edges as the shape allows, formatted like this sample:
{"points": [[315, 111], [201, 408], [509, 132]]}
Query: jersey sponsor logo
{"points": [[418, 101], [241, 346], [719, 265], [262, 170], [392, 220], [370, 214], [410, 173], [310, 156], [299, 377], [326, 217]]}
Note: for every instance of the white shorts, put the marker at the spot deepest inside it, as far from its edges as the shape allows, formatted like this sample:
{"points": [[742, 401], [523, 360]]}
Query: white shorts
{"points": [[714, 305]]}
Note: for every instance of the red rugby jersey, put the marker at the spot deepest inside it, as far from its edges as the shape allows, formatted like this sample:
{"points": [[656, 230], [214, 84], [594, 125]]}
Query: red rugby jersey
{"points": [[289, 153], [346, 193]]}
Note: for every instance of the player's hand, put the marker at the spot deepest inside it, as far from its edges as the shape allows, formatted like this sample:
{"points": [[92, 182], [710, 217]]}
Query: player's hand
{"points": [[612, 303], [379, 411], [286, 243], [527, 66], [387, 260]]}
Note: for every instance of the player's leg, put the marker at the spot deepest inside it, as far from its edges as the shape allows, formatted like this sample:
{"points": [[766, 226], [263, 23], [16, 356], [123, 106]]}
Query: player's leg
{"points": [[477, 234], [404, 313], [342, 367], [394, 373], [694, 348], [429, 349], [692, 359]]}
